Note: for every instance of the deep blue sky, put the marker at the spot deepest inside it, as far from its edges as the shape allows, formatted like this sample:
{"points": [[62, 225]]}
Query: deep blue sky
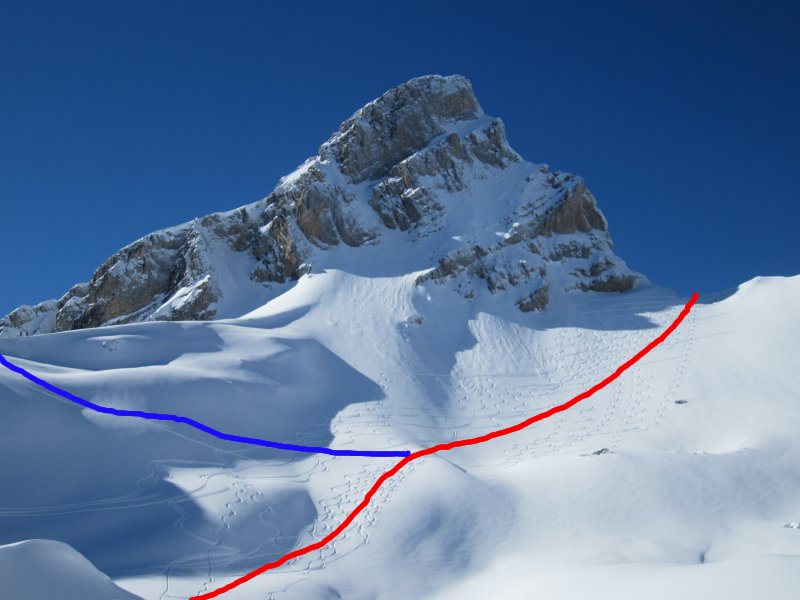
{"points": [[119, 118]]}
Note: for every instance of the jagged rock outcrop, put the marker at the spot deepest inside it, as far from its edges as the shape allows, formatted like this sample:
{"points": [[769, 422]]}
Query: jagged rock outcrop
{"points": [[408, 193], [40, 318], [560, 229], [422, 161], [398, 124]]}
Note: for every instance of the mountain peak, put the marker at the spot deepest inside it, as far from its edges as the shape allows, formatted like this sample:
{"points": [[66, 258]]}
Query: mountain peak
{"points": [[399, 123], [419, 179]]}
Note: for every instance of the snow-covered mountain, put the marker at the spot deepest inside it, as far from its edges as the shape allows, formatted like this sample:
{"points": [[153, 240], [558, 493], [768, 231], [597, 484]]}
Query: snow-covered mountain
{"points": [[378, 301], [418, 178]]}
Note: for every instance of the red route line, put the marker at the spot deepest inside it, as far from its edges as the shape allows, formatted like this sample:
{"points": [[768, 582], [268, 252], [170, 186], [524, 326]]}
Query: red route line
{"points": [[450, 446]]}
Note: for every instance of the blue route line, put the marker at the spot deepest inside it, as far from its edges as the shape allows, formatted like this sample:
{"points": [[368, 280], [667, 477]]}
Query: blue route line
{"points": [[192, 423]]}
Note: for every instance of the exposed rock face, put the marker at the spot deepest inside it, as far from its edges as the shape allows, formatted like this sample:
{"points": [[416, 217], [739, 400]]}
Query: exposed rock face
{"points": [[537, 300], [407, 194], [31, 319], [561, 229], [577, 212], [398, 124], [422, 161]]}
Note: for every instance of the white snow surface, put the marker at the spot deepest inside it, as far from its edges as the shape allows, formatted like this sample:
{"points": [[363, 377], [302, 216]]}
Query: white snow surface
{"points": [[694, 497], [49, 569]]}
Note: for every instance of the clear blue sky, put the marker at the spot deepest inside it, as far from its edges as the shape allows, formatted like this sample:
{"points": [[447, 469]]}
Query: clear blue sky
{"points": [[119, 118]]}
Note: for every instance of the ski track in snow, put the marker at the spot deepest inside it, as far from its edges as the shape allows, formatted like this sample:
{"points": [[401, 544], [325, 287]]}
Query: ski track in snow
{"points": [[487, 389], [378, 487], [484, 403]]}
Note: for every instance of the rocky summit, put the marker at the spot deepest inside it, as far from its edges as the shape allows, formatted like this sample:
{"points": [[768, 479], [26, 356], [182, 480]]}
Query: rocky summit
{"points": [[418, 182]]}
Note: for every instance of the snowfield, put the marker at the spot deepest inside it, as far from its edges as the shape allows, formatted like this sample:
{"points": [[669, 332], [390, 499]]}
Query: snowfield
{"points": [[48, 569], [679, 480]]}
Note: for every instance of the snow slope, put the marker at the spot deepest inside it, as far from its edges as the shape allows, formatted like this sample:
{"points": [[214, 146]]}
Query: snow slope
{"points": [[48, 569], [676, 480]]}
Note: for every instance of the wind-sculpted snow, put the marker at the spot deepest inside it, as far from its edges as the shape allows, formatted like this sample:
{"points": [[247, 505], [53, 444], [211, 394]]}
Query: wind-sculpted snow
{"points": [[101, 409], [447, 447], [47, 569], [696, 492]]}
